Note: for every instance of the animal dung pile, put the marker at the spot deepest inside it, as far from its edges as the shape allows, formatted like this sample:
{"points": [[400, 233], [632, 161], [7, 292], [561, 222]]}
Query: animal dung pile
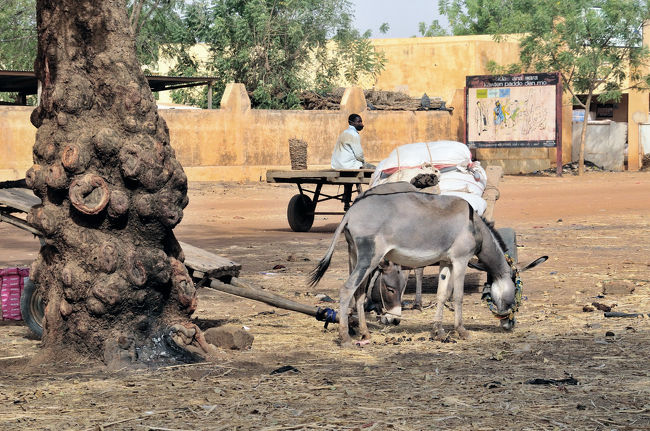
{"points": [[298, 153]]}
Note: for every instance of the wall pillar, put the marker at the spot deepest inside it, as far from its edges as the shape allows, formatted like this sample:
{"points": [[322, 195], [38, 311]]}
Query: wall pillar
{"points": [[236, 104], [353, 100], [235, 98], [638, 110]]}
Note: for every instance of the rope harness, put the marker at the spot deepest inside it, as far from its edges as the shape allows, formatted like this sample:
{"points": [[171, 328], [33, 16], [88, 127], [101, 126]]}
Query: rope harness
{"points": [[487, 294], [382, 285], [326, 315]]}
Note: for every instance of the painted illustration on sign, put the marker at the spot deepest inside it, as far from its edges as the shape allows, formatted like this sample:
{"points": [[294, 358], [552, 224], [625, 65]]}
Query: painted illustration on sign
{"points": [[511, 111]]}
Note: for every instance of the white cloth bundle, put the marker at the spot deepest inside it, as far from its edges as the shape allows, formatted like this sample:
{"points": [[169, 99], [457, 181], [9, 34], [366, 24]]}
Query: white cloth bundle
{"points": [[466, 179]]}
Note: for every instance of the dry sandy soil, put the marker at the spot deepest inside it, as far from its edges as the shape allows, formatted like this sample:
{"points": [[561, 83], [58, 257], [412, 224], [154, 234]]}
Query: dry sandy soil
{"points": [[595, 229]]}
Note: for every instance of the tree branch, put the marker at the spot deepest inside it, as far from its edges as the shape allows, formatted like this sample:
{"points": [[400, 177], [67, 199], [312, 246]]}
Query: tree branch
{"points": [[146, 17]]}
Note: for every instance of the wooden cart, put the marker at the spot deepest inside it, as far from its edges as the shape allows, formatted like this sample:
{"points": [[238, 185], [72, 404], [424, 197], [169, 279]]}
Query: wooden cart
{"points": [[302, 208], [16, 201], [208, 270]]}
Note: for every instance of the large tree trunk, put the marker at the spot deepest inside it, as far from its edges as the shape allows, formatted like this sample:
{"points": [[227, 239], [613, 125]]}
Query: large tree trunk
{"points": [[111, 270]]}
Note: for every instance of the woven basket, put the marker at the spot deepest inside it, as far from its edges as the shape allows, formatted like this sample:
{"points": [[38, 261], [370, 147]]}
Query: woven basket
{"points": [[298, 153]]}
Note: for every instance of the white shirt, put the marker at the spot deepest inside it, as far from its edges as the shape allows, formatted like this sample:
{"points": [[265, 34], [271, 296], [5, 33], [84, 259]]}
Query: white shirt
{"points": [[348, 153]]}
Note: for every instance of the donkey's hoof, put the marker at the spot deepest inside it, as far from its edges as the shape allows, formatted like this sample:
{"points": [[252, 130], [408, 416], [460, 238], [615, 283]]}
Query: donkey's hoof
{"points": [[417, 306], [438, 334], [463, 334], [366, 335]]}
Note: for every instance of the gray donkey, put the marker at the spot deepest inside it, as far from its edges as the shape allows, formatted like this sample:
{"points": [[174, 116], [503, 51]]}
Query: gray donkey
{"points": [[398, 223]]}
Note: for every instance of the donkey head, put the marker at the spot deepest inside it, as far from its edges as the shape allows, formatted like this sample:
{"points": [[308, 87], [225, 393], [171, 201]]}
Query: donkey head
{"points": [[386, 291], [503, 295]]}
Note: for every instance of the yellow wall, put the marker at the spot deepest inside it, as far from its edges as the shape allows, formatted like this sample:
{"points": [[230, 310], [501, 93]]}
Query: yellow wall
{"points": [[438, 65], [17, 136], [433, 65], [638, 112], [236, 143]]}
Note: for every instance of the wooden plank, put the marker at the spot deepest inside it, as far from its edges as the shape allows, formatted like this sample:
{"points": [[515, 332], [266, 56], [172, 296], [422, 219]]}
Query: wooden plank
{"points": [[491, 192], [362, 176], [196, 259], [350, 180], [281, 176], [364, 172], [210, 264], [20, 199], [19, 223], [238, 288], [244, 290], [332, 176]]}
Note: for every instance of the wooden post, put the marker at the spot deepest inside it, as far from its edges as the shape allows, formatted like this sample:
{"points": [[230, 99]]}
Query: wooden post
{"points": [[491, 192], [210, 94], [239, 288]]}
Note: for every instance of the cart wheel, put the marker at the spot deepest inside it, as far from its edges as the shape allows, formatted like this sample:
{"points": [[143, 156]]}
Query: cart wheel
{"points": [[300, 213], [510, 239], [31, 307]]}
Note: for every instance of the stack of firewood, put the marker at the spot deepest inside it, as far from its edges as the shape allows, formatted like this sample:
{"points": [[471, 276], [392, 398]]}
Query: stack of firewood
{"points": [[298, 153], [376, 100]]}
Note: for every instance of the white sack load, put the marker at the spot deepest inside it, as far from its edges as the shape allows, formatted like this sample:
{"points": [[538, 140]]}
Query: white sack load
{"points": [[459, 176]]}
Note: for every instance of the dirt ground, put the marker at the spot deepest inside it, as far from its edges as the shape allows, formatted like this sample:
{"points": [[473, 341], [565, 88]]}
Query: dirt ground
{"points": [[595, 229]]}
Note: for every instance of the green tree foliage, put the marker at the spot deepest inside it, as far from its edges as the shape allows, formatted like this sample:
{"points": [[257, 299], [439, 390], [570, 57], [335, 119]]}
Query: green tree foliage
{"points": [[17, 39], [432, 30], [475, 16], [595, 45], [154, 22], [271, 45], [17, 34]]}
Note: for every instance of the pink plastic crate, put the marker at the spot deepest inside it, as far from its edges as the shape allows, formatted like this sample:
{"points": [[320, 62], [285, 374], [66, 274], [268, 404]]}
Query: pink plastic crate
{"points": [[11, 286]]}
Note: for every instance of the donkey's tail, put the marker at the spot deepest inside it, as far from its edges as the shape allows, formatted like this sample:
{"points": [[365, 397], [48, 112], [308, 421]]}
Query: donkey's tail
{"points": [[317, 273]]}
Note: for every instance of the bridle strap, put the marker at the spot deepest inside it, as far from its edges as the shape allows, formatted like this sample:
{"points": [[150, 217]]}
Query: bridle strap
{"points": [[381, 295]]}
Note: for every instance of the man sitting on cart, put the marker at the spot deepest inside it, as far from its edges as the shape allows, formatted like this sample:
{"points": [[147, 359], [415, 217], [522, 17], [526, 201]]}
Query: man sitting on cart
{"points": [[348, 153]]}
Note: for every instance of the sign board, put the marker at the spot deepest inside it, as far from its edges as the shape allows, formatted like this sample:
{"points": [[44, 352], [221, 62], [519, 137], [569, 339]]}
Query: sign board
{"points": [[509, 111]]}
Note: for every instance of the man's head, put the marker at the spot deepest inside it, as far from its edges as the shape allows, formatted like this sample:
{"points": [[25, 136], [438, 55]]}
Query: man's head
{"points": [[355, 121]]}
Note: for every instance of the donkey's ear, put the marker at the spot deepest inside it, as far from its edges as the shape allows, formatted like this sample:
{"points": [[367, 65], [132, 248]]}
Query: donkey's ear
{"points": [[534, 263], [383, 264], [475, 264]]}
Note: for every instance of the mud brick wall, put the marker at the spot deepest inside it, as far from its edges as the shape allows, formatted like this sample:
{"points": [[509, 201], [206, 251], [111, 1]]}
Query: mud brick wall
{"points": [[237, 143]]}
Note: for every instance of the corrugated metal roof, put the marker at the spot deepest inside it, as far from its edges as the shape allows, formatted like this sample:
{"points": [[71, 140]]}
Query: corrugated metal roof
{"points": [[25, 82]]}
